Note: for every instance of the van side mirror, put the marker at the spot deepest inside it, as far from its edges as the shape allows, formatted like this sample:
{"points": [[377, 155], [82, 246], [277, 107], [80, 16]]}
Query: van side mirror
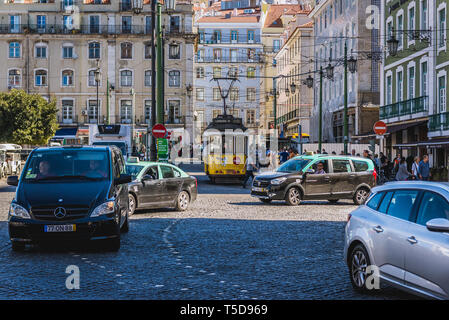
{"points": [[13, 181], [123, 179], [438, 225]]}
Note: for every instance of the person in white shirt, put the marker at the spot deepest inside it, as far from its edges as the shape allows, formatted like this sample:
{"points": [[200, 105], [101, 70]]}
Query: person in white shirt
{"points": [[415, 167], [250, 168]]}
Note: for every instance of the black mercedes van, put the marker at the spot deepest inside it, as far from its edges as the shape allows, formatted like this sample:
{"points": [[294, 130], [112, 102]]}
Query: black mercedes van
{"points": [[70, 193]]}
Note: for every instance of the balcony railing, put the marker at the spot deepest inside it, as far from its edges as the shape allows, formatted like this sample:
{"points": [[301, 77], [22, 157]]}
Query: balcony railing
{"points": [[67, 120], [69, 29], [287, 117], [439, 122], [402, 108], [242, 59]]}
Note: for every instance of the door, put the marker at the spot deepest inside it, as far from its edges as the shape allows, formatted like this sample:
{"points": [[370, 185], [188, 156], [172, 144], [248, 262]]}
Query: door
{"points": [[362, 174], [388, 231], [121, 190], [152, 190], [171, 181], [341, 178], [427, 254], [317, 185]]}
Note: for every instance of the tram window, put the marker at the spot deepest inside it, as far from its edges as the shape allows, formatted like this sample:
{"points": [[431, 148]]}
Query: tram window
{"points": [[240, 144]]}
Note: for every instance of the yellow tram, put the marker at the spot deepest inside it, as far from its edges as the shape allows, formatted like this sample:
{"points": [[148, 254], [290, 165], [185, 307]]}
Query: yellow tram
{"points": [[225, 148]]}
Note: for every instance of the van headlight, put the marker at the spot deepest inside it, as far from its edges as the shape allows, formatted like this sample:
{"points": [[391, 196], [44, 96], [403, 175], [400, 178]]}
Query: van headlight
{"points": [[278, 181], [104, 208], [19, 211]]}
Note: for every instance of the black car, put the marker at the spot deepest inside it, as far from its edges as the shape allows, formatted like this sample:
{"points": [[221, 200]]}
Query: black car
{"points": [[70, 193], [157, 185], [325, 177]]}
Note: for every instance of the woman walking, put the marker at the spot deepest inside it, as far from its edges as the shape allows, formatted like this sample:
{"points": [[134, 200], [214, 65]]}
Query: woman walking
{"points": [[402, 174]]}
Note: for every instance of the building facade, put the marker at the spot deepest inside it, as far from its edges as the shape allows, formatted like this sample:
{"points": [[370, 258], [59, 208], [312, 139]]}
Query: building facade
{"points": [[66, 49], [336, 23]]}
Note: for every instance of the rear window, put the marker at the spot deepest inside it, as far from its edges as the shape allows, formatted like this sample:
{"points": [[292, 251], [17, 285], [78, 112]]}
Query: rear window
{"points": [[374, 202], [360, 165]]}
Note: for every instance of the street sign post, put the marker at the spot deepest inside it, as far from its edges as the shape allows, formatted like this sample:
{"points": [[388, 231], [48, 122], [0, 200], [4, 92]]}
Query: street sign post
{"points": [[380, 128], [159, 131]]}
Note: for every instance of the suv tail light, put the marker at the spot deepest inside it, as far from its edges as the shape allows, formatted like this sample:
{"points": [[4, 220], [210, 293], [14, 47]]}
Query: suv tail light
{"points": [[375, 175]]}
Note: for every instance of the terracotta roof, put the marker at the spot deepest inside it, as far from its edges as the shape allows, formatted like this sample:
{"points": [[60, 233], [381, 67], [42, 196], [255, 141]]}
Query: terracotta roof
{"points": [[276, 11]]}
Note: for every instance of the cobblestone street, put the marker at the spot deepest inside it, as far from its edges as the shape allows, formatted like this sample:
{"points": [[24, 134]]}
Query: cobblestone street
{"points": [[226, 246]]}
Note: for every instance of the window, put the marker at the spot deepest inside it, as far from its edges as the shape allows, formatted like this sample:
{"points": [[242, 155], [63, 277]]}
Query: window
{"points": [[360, 165], [202, 37], [200, 94], [148, 74], [217, 55], [385, 202], [67, 110], [424, 15], [148, 111], [200, 73], [94, 24], [233, 54], [40, 78], [14, 78], [92, 111], [94, 50], [433, 206], [251, 94], [234, 36], [374, 202], [14, 50], [41, 23], [67, 78], [217, 72], [174, 51], [233, 72], [400, 84], [126, 78], [41, 50], [67, 52], [174, 108], [389, 92], [126, 24], [411, 23], [442, 93], [250, 72], [14, 24], [177, 173], [424, 79], [401, 204], [234, 94], [174, 78], [216, 113], [175, 24], [411, 82], [315, 165], [67, 22], [251, 34], [91, 79], [276, 45], [442, 28], [126, 49], [148, 49], [148, 25], [400, 29], [126, 111], [167, 172], [341, 166], [251, 54], [250, 116], [217, 95], [217, 36]]}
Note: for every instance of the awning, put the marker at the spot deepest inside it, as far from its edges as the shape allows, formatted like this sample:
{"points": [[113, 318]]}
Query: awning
{"points": [[406, 145], [434, 143], [399, 127], [66, 133]]}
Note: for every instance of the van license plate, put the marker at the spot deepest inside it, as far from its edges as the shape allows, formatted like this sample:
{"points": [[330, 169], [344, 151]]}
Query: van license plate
{"points": [[60, 228]]}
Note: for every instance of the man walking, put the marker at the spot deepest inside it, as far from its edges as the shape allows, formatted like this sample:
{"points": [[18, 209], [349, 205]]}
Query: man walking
{"points": [[250, 168], [424, 169]]}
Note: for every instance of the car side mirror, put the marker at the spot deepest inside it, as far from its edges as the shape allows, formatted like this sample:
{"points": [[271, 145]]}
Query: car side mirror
{"points": [[310, 171], [13, 181], [438, 225], [123, 179]]}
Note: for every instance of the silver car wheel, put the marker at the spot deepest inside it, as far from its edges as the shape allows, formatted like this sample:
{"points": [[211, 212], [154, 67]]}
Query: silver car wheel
{"points": [[132, 205], [294, 195], [183, 200], [358, 268], [361, 195]]}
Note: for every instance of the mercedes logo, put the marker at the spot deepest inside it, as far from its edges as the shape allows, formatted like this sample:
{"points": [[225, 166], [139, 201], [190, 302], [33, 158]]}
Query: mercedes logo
{"points": [[60, 212]]}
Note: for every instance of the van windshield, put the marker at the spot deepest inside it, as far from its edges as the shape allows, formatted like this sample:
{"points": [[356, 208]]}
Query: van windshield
{"points": [[67, 164], [293, 165]]}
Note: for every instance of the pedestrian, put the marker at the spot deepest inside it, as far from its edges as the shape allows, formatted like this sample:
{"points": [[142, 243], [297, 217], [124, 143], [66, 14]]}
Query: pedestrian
{"points": [[292, 153], [342, 153], [324, 151], [353, 152], [334, 153], [424, 169], [250, 168], [402, 174], [396, 163], [415, 168], [283, 156]]}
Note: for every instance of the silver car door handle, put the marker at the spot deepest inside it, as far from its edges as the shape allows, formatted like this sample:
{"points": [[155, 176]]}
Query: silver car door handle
{"points": [[378, 229], [412, 240]]}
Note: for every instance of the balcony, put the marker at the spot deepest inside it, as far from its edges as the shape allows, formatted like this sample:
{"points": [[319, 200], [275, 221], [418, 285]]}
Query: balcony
{"points": [[174, 120], [287, 117], [68, 121], [439, 122], [242, 59], [72, 29], [404, 108]]}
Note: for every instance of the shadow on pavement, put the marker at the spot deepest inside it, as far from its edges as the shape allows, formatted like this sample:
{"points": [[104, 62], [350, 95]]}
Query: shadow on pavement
{"points": [[282, 203], [6, 188]]}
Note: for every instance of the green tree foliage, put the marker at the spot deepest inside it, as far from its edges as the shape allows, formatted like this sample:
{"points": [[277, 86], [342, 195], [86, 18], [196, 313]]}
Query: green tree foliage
{"points": [[26, 118]]}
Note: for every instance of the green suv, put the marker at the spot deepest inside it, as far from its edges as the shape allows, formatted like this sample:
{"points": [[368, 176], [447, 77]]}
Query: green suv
{"points": [[317, 177]]}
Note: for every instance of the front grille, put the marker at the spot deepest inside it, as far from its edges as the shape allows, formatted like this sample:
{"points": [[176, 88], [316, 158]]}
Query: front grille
{"points": [[261, 183], [48, 213]]}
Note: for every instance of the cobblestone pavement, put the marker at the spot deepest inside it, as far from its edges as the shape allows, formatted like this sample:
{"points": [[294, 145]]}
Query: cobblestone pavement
{"points": [[226, 246]]}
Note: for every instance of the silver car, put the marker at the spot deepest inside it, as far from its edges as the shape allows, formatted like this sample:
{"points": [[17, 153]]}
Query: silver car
{"points": [[402, 231]]}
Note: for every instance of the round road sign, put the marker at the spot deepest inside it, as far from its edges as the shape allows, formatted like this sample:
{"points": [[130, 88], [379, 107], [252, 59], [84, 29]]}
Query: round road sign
{"points": [[159, 131], [380, 128]]}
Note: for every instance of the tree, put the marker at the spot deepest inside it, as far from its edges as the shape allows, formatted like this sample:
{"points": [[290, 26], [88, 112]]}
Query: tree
{"points": [[26, 118]]}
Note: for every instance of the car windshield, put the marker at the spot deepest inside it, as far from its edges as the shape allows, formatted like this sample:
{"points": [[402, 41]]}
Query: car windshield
{"points": [[89, 165], [120, 145], [133, 170], [293, 165]]}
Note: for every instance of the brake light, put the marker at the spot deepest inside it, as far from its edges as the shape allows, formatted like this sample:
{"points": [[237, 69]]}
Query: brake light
{"points": [[375, 175]]}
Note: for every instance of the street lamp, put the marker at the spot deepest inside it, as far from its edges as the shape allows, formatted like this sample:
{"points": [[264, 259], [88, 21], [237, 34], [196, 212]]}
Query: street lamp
{"points": [[287, 91], [352, 64], [170, 5], [330, 71], [393, 44], [137, 6], [97, 81], [309, 82], [292, 87]]}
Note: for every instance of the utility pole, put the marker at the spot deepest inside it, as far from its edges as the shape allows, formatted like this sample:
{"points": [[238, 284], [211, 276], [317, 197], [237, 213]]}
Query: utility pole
{"points": [[320, 126], [159, 73], [275, 93], [107, 101], [345, 115], [153, 152]]}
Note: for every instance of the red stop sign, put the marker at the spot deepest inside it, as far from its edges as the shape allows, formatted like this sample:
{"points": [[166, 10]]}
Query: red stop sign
{"points": [[380, 128], [159, 131]]}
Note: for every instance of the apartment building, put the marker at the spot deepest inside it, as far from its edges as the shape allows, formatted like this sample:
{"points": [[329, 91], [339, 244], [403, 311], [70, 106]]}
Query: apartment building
{"points": [[294, 60], [337, 22], [65, 49], [230, 46]]}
